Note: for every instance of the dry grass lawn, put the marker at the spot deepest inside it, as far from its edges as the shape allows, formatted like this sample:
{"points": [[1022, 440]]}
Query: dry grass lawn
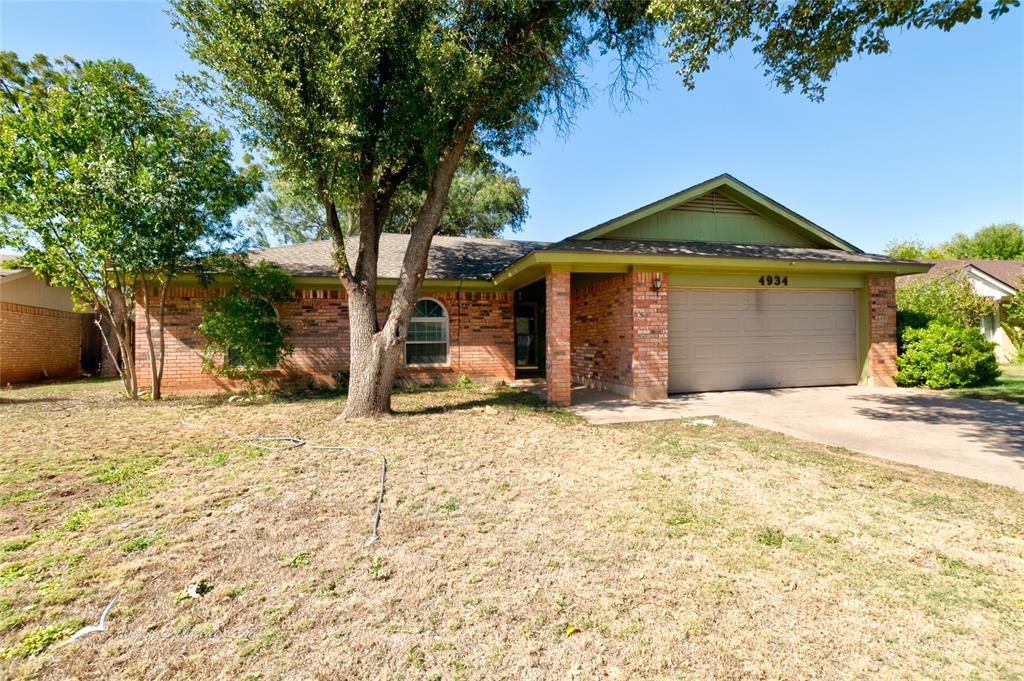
{"points": [[516, 543]]}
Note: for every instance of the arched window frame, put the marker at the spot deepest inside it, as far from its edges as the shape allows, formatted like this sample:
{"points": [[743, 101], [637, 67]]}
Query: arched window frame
{"points": [[413, 338]]}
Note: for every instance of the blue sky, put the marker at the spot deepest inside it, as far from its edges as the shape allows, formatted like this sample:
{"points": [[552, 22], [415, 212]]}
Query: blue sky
{"points": [[923, 142]]}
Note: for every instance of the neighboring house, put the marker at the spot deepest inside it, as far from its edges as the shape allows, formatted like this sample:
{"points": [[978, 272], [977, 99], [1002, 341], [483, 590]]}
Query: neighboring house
{"points": [[995, 279], [716, 287], [41, 335]]}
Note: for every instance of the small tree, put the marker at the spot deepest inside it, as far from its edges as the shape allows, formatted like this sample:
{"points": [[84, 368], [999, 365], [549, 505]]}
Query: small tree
{"points": [[1013, 319], [950, 297], [109, 187], [244, 335]]}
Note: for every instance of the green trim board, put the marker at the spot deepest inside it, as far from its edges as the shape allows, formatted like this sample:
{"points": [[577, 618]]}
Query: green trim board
{"points": [[736, 190], [752, 279], [519, 272]]}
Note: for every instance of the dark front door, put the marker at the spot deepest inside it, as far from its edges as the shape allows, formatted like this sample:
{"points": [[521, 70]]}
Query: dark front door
{"points": [[527, 336]]}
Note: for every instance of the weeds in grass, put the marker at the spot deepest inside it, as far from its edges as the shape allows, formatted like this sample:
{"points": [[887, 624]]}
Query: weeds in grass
{"points": [[139, 542], [295, 560], [449, 505], [770, 536], [38, 640], [415, 657]]}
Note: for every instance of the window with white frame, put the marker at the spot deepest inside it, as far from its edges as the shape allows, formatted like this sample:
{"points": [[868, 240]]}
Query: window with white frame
{"points": [[427, 340]]}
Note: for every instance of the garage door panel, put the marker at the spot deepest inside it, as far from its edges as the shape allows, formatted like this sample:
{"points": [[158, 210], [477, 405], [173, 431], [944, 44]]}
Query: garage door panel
{"points": [[723, 339]]}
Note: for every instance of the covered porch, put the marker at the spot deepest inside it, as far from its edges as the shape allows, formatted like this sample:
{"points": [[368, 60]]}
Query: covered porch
{"points": [[602, 330]]}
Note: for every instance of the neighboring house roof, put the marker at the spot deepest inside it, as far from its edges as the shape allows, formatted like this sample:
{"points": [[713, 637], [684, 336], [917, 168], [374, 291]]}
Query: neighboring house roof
{"points": [[15, 273], [450, 257], [1005, 272]]}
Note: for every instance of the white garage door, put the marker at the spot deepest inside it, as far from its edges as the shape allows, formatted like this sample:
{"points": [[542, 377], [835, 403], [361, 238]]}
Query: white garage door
{"points": [[737, 339]]}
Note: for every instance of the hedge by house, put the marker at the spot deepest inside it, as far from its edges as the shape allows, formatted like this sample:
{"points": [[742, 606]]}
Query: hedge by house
{"points": [[945, 354]]}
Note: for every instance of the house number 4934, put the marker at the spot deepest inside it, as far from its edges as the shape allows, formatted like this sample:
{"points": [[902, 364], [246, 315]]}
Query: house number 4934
{"points": [[773, 280]]}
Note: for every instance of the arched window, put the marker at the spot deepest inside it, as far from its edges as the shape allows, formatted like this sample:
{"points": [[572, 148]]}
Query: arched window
{"points": [[427, 341]]}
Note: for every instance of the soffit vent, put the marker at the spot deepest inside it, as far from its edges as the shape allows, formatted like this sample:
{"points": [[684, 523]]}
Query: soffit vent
{"points": [[714, 202]]}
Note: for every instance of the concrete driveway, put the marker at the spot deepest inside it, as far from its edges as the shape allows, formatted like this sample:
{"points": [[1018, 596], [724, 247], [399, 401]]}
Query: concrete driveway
{"points": [[973, 438]]}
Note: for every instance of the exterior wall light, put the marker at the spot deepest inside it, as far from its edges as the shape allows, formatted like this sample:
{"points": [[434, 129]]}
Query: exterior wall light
{"points": [[657, 282]]}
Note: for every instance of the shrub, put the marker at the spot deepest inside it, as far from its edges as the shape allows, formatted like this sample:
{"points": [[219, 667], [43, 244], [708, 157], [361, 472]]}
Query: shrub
{"points": [[951, 297], [946, 355], [244, 335]]}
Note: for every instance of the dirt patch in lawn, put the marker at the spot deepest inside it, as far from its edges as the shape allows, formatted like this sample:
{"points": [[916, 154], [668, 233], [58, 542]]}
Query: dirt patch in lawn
{"points": [[516, 542]]}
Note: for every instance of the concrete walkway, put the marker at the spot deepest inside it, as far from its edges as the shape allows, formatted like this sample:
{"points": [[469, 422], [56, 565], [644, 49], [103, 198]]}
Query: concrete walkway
{"points": [[973, 438]]}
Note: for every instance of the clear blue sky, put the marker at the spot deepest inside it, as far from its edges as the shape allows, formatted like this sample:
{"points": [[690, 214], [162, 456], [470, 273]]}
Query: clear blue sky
{"points": [[922, 142]]}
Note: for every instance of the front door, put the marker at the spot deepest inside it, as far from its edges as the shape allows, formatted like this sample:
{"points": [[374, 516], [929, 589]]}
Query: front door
{"points": [[527, 337]]}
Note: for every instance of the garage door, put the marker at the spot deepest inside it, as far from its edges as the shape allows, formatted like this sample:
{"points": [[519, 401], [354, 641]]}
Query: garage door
{"points": [[733, 339]]}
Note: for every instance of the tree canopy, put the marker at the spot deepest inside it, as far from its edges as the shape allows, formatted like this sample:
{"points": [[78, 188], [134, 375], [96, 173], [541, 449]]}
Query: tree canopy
{"points": [[995, 242], [486, 199], [108, 186]]}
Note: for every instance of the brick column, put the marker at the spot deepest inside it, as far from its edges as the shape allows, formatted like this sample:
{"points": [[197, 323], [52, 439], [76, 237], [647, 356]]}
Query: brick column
{"points": [[882, 335], [559, 320], [649, 369]]}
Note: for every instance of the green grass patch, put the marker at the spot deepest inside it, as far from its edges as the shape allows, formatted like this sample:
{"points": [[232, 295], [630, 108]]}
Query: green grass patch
{"points": [[1009, 386]]}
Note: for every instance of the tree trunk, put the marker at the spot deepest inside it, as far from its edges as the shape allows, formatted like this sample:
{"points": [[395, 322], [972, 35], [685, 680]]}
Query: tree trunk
{"points": [[375, 349]]}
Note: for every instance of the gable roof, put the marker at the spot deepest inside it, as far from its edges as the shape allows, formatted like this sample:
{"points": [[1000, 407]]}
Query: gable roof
{"points": [[450, 257], [1005, 272], [734, 189]]}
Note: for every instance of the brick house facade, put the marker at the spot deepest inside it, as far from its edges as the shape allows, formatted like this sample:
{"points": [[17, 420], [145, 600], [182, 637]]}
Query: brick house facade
{"points": [[611, 312], [41, 334]]}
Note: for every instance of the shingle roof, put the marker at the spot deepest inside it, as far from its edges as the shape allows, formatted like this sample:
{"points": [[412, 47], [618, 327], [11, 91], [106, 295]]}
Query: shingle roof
{"points": [[450, 257], [7, 273], [1008, 272], [719, 250]]}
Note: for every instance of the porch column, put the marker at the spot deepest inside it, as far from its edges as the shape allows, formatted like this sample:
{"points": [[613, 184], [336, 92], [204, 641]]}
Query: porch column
{"points": [[649, 366], [557, 326], [882, 329]]}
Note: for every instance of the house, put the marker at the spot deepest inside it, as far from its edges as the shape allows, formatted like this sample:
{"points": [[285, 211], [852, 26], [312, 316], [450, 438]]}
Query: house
{"points": [[41, 334], [716, 287], [995, 279]]}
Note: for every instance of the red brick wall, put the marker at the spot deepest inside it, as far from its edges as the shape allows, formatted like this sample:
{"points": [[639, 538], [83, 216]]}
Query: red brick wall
{"points": [[649, 372], [480, 329], [558, 312], [882, 320], [601, 333], [620, 335], [36, 342]]}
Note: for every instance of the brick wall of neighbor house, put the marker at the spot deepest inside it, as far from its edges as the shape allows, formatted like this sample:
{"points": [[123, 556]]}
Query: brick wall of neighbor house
{"points": [[649, 372], [882, 322], [479, 325], [601, 333], [37, 343]]}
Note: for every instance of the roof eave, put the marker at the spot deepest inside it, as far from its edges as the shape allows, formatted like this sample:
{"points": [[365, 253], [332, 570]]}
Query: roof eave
{"points": [[623, 262]]}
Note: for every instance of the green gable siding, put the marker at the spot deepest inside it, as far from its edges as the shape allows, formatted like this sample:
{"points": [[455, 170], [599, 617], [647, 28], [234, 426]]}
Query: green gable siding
{"points": [[712, 217]]}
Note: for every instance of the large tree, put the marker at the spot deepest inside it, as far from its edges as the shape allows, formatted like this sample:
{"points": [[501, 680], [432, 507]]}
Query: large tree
{"points": [[485, 199], [109, 187], [360, 99]]}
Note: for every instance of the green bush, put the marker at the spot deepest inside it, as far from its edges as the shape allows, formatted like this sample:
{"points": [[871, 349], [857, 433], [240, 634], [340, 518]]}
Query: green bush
{"points": [[946, 355], [244, 336], [950, 297]]}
